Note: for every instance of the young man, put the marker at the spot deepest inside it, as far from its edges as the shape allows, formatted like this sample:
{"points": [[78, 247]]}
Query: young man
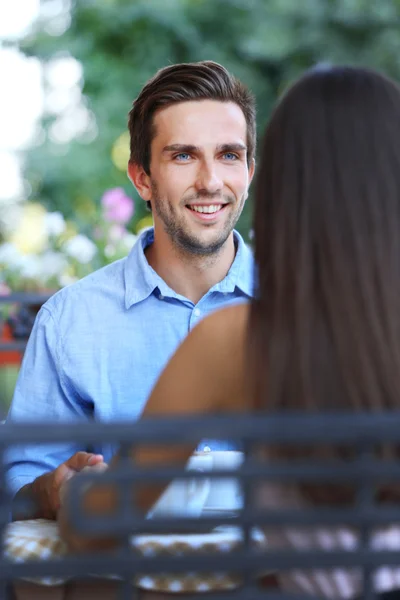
{"points": [[98, 346]]}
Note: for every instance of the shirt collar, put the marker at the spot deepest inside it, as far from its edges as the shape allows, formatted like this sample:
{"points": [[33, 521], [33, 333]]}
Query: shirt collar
{"points": [[141, 280], [241, 273]]}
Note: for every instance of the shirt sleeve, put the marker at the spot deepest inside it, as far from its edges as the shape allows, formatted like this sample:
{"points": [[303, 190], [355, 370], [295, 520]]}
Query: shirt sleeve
{"points": [[41, 396]]}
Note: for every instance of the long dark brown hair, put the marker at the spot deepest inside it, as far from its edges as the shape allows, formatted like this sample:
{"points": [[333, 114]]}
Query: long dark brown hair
{"points": [[325, 324]]}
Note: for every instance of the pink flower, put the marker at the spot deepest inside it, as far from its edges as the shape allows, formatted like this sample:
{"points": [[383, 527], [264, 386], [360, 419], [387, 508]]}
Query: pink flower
{"points": [[117, 206], [4, 289]]}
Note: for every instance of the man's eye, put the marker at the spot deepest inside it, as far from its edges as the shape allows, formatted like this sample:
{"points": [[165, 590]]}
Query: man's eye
{"points": [[230, 156], [182, 156]]}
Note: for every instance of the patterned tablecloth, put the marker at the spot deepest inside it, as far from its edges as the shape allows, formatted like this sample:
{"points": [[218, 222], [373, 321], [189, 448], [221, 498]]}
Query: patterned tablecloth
{"points": [[39, 539]]}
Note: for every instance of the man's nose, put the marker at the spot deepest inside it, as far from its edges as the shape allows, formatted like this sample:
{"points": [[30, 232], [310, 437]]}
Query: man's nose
{"points": [[208, 180]]}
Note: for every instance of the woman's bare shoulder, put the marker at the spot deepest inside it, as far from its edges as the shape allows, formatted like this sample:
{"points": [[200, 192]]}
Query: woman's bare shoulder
{"points": [[224, 334], [230, 321]]}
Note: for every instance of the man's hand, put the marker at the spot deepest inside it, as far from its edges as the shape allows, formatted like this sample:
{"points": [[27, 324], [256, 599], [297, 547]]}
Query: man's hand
{"points": [[75, 541], [44, 491], [91, 467], [65, 471]]}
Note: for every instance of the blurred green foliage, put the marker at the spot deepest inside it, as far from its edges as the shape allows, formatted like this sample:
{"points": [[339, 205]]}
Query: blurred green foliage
{"points": [[121, 43]]}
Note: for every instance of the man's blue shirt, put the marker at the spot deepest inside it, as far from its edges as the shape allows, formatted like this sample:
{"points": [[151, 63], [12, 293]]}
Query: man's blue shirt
{"points": [[98, 347]]}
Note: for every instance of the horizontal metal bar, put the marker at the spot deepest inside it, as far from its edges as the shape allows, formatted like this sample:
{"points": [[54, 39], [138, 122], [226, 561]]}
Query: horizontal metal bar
{"points": [[283, 429], [24, 298], [357, 472], [17, 345]]}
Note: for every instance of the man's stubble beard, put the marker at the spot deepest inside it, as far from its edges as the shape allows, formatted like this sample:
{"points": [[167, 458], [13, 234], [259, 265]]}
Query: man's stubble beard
{"points": [[185, 242]]}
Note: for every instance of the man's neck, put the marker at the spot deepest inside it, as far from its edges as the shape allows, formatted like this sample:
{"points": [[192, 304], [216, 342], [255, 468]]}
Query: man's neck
{"points": [[190, 276]]}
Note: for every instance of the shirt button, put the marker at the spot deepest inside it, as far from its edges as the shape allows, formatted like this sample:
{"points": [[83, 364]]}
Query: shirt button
{"points": [[161, 297], [197, 312]]}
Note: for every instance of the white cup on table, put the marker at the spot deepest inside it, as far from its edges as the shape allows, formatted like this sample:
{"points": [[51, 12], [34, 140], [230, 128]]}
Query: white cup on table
{"points": [[186, 497], [193, 497]]}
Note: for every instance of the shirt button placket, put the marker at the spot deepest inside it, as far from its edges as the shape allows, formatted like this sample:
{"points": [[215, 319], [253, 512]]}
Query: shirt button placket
{"points": [[194, 318]]}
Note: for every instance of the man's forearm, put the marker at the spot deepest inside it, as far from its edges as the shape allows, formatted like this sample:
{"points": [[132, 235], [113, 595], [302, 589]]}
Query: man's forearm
{"points": [[36, 497]]}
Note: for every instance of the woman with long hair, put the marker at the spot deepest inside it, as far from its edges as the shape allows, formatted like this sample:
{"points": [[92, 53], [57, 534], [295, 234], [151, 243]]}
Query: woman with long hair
{"points": [[323, 332]]}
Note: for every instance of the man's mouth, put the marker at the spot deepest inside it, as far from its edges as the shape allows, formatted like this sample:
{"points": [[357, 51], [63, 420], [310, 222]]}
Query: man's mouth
{"points": [[206, 209]]}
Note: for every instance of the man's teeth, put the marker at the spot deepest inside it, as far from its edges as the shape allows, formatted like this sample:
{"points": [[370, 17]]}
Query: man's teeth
{"points": [[212, 208]]}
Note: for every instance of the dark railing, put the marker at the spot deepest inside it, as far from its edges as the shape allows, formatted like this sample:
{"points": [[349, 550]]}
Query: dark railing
{"points": [[15, 328], [365, 472], [362, 432], [24, 300]]}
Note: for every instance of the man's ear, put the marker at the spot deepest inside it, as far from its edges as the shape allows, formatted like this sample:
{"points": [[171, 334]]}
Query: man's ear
{"points": [[252, 168], [140, 180]]}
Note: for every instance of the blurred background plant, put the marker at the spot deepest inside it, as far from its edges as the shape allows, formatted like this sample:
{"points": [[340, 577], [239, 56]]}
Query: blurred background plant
{"points": [[45, 251], [94, 56]]}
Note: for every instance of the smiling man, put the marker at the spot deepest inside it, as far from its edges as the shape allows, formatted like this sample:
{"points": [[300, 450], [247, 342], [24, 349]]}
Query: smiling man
{"points": [[192, 159], [98, 346]]}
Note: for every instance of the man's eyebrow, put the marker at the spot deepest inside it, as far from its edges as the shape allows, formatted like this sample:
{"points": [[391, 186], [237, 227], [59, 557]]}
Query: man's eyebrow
{"points": [[191, 148], [181, 148], [234, 147]]}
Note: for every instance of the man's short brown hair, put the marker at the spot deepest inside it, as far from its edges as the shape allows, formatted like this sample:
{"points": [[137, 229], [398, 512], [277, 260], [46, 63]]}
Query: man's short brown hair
{"points": [[184, 82]]}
